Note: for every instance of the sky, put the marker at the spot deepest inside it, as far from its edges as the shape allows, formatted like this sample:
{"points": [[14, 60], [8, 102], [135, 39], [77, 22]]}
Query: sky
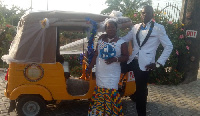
{"points": [[90, 6]]}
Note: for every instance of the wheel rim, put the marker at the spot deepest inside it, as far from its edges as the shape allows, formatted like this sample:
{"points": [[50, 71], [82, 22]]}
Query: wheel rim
{"points": [[31, 108]]}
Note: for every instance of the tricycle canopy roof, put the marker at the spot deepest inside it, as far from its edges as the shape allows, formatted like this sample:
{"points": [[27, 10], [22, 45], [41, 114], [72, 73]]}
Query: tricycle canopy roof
{"points": [[36, 38]]}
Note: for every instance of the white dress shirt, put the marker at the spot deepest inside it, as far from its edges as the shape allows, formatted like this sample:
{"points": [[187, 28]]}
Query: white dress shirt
{"points": [[142, 35]]}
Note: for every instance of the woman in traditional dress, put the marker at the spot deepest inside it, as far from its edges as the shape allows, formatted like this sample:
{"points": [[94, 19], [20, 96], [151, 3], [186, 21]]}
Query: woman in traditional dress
{"points": [[110, 51]]}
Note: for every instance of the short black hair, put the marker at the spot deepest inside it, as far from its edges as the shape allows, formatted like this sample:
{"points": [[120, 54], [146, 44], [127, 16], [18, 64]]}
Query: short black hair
{"points": [[150, 8], [111, 21]]}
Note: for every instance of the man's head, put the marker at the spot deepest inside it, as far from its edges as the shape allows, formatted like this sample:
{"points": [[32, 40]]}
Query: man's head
{"points": [[147, 14]]}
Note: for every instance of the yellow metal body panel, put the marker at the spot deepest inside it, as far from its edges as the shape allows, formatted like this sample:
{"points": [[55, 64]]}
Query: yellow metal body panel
{"points": [[130, 88], [51, 86]]}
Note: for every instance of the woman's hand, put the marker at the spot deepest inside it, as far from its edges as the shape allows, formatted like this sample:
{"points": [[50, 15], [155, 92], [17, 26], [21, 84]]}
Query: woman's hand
{"points": [[111, 60]]}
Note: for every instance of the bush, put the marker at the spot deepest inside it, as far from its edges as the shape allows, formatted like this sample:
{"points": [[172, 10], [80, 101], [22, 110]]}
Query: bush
{"points": [[74, 64], [7, 34], [76, 71]]}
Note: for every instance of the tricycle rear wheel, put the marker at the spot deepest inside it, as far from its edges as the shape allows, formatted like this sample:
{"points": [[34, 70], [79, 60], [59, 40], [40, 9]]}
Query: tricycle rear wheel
{"points": [[30, 105]]}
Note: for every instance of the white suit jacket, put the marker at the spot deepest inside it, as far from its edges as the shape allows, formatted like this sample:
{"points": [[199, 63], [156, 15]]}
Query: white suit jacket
{"points": [[147, 52]]}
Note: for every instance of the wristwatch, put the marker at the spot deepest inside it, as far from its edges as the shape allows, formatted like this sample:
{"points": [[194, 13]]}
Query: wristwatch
{"points": [[157, 65]]}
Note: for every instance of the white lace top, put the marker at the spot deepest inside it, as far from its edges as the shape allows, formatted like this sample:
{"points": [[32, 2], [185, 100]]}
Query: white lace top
{"points": [[108, 75]]}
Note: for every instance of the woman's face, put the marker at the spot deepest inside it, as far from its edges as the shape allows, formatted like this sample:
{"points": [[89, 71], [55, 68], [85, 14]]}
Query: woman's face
{"points": [[111, 29]]}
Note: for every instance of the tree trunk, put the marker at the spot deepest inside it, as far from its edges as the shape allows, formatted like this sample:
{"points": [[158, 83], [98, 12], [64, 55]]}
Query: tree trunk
{"points": [[190, 16]]}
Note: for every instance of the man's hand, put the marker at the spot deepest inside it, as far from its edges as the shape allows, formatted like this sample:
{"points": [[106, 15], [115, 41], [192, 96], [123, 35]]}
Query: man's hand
{"points": [[151, 66]]}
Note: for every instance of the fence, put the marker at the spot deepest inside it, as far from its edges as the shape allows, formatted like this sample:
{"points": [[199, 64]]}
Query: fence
{"points": [[171, 10]]}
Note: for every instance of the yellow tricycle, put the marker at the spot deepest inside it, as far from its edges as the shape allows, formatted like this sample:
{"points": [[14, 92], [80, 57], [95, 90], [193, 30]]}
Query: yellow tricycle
{"points": [[38, 74]]}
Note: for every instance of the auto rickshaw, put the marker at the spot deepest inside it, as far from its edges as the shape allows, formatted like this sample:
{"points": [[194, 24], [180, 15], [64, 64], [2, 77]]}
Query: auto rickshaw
{"points": [[36, 75]]}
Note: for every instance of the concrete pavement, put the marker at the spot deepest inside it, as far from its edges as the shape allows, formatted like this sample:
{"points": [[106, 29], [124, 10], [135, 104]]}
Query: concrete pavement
{"points": [[163, 100]]}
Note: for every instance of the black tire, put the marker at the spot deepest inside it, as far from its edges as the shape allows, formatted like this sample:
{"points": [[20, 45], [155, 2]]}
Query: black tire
{"points": [[31, 105]]}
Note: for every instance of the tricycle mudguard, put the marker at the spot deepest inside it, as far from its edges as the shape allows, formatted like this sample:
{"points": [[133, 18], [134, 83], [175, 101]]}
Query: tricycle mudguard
{"points": [[31, 89]]}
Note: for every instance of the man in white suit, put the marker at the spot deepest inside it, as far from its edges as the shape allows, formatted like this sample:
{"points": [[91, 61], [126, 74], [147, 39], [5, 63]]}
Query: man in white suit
{"points": [[146, 37]]}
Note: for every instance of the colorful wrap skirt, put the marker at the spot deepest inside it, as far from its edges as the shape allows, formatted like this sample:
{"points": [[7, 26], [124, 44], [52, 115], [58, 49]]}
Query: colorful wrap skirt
{"points": [[105, 102]]}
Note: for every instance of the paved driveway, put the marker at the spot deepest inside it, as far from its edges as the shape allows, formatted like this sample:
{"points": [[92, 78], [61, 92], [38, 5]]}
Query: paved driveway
{"points": [[181, 100]]}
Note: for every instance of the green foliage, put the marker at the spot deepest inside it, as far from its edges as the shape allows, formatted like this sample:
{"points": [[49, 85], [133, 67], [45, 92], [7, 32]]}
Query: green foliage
{"points": [[11, 16], [8, 21], [68, 37], [74, 64], [76, 71], [166, 76], [125, 6], [6, 36]]}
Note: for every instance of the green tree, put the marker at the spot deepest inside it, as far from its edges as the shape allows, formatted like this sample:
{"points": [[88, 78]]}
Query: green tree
{"points": [[8, 21], [127, 7], [11, 16]]}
